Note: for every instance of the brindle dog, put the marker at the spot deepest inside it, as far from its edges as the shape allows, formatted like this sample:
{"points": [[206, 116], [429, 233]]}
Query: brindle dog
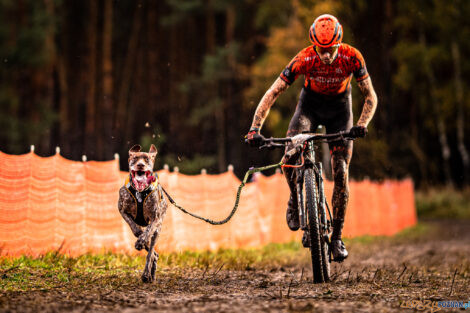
{"points": [[142, 205]]}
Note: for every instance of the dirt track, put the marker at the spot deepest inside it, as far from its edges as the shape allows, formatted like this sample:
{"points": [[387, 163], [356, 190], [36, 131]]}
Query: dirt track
{"points": [[375, 278]]}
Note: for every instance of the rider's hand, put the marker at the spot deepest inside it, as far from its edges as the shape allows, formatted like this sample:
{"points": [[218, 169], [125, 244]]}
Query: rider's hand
{"points": [[358, 131], [253, 138]]}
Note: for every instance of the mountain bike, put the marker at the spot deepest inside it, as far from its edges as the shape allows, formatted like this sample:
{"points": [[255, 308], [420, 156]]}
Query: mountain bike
{"points": [[311, 200]]}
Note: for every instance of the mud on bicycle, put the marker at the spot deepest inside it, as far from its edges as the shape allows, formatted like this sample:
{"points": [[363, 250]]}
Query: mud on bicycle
{"points": [[313, 206]]}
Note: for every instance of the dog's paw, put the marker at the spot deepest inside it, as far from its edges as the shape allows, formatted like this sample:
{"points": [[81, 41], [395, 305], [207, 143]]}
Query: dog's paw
{"points": [[140, 244], [147, 278]]}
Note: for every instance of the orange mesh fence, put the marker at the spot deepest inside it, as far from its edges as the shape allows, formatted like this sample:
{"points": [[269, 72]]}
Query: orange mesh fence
{"points": [[56, 204]]}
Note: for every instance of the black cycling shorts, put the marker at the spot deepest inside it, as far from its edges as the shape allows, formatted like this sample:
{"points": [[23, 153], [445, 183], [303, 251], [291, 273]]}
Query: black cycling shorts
{"points": [[333, 112]]}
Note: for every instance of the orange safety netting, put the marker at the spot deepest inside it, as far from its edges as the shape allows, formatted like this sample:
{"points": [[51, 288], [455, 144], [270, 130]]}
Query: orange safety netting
{"points": [[53, 203]]}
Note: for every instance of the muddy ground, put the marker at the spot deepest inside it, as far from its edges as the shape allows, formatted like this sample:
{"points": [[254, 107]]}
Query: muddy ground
{"points": [[377, 277]]}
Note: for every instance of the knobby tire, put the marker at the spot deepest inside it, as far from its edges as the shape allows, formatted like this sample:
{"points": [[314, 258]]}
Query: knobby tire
{"points": [[325, 252], [313, 225]]}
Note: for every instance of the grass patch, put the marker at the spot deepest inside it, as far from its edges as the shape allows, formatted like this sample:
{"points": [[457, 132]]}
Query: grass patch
{"points": [[109, 271], [236, 259], [420, 230], [447, 203], [53, 270]]}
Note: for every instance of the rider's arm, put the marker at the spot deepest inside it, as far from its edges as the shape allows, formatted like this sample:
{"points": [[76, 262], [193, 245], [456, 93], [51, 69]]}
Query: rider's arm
{"points": [[370, 101], [267, 102]]}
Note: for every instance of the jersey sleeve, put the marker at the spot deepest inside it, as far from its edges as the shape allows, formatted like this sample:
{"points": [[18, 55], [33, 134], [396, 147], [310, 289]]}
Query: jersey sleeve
{"points": [[295, 68], [359, 66]]}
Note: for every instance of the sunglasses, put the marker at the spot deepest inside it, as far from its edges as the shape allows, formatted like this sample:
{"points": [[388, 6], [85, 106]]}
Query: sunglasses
{"points": [[332, 50]]}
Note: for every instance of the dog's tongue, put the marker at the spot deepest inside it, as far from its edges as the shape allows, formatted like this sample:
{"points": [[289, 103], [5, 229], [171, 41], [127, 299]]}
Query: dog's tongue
{"points": [[140, 183], [151, 179]]}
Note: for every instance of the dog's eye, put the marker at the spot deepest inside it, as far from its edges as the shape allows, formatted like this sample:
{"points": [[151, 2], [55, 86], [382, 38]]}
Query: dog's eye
{"points": [[146, 159]]}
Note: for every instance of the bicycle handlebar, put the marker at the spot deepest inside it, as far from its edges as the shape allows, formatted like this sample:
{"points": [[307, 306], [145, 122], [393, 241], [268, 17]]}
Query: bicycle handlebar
{"points": [[271, 143]]}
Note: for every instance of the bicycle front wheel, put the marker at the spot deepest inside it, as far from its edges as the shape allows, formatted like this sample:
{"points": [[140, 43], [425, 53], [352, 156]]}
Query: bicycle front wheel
{"points": [[311, 201]]}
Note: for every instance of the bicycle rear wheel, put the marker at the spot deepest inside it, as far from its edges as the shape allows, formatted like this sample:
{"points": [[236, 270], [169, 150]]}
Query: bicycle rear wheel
{"points": [[316, 240]]}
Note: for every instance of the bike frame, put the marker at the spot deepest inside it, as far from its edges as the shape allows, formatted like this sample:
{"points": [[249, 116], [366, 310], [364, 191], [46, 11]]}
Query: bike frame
{"points": [[309, 172], [309, 156]]}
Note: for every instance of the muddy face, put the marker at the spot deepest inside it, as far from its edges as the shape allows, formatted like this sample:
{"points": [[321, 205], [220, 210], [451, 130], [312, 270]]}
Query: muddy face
{"points": [[141, 166]]}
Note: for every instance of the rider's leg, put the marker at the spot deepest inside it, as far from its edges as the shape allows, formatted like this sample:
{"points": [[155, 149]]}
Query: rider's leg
{"points": [[341, 152], [302, 121], [340, 159]]}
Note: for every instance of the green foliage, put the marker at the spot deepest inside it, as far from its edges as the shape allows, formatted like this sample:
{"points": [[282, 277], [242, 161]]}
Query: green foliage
{"points": [[189, 165], [446, 203], [153, 136], [211, 62], [273, 14], [24, 56], [421, 33], [216, 69]]}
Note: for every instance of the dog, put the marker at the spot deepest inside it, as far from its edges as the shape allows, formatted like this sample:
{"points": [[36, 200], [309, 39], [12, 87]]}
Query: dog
{"points": [[143, 206]]}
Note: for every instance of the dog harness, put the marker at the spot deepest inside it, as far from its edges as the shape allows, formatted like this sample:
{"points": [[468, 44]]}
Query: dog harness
{"points": [[140, 197]]}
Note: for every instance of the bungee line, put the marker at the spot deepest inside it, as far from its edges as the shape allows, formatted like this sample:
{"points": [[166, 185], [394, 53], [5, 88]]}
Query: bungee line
{"points": [[237, 200]]}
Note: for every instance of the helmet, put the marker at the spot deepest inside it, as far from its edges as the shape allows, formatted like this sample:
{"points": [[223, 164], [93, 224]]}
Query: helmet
{"points": [[326, 31]]}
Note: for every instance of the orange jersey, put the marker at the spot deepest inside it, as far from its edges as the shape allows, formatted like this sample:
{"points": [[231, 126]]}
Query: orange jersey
{"points": [[331, 79]]}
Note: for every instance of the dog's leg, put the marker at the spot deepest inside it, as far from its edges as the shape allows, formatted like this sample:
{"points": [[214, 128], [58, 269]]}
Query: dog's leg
{"points": [[148, 275], [154, 266], [136, 230], [154, 261], [155, 224], [125, 201], [152, 257], [152, 232]]}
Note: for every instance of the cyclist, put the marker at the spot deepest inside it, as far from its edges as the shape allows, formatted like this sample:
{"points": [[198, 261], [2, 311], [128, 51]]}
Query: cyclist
{"points": [[328, 66]]}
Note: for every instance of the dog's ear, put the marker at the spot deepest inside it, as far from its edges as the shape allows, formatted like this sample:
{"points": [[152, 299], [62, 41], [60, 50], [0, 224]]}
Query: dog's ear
{"points": [[134, 149], [153, 151]]}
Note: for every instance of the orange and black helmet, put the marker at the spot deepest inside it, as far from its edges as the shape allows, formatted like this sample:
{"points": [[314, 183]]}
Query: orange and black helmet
{"points": [[326, 31]]}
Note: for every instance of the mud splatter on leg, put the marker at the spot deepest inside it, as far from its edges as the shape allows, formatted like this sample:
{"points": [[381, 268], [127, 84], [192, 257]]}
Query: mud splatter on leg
{"points": [[340, 160]]}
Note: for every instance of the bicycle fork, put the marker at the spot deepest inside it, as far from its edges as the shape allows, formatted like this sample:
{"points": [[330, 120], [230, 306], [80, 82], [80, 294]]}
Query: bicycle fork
{"points": [[309, 161], [300, 198]]}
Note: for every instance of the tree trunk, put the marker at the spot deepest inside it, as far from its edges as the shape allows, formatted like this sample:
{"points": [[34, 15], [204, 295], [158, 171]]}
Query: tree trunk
{"points": [[233, 132], [153, 85], [128, 73], [106, 113], [219, 113], [48, 74], [90, 92], [445, 150], [460, 123], [63, 104], [385, 68], [173, 116]]}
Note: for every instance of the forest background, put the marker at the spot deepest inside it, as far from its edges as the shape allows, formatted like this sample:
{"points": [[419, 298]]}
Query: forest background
{"points": [[95, 77]]}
